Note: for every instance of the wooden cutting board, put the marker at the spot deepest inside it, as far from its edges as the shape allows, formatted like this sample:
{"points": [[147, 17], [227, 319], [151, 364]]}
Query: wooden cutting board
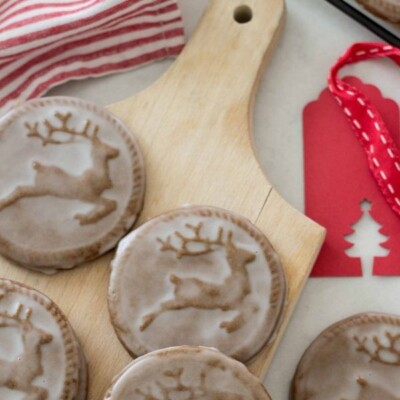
{"points": [[194, 127]]}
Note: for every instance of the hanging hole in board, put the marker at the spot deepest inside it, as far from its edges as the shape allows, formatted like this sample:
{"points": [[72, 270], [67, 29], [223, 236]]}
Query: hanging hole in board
{"points": [[243, 14]]}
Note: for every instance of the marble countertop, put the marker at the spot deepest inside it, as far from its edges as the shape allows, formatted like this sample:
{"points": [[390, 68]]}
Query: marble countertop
{"points": [[315, 35]]}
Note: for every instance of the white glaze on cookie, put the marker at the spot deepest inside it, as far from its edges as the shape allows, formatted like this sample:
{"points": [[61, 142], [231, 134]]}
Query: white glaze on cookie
{"points": [[196, 276], [72, 182], [356, 359], [40, 357], [190, 373]]}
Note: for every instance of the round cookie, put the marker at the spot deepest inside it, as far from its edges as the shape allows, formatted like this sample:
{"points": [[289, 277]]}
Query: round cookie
{"points": [[40, 356], [355, 359], [191, 373], [387, 9], [72, 182], [196, 276]]}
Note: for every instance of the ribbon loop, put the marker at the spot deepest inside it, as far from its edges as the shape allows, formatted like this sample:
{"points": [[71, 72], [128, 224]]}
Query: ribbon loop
{"points": [[367, 123]]}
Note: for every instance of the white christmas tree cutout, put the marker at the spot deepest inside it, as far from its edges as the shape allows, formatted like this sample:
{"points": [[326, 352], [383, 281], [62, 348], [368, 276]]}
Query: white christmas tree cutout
{"points": [[366, 239]]}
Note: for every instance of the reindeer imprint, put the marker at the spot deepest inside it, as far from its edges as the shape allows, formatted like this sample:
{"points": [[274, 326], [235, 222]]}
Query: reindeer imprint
{"points": [[199, 275], [193, 292], [189, 373], [54, 181], [20, 373], [355, 359], [76, 184], [48, 364]]}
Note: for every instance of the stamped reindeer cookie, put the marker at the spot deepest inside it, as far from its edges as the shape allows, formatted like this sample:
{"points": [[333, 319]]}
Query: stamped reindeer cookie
{"points": [[184, 372], [355, 359], [40, 357], [72, 182], [196, 276]]}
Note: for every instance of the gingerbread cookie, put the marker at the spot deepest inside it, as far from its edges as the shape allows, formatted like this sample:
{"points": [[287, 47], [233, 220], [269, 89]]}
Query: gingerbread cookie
{"points": [[40, 357], [191, 373], [355, 359], [387, 9], [196, 276], [72, 182]]}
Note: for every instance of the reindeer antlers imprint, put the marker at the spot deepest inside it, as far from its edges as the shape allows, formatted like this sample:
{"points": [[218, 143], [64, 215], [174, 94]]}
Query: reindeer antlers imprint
{"points": [[388, 354], [53, 181], [190, 392], [196, 293], [20, 373]]}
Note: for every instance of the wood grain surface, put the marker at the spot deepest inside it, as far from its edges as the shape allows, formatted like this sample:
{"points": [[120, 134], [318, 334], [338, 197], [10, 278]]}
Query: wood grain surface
{"points": [[194, 127]]}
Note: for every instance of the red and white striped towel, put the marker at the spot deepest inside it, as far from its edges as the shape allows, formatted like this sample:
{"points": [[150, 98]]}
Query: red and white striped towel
{"points": [[46, 42]]}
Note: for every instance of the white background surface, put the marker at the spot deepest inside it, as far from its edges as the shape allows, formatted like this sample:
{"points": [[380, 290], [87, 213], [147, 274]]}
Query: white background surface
{"points": [[315, 35]]}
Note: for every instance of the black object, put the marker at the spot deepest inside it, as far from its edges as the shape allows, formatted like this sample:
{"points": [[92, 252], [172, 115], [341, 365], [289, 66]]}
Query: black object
{"points": [[385, 33]]}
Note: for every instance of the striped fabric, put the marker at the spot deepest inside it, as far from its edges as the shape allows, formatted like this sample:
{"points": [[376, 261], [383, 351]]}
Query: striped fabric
{"points": [[46, 42]]}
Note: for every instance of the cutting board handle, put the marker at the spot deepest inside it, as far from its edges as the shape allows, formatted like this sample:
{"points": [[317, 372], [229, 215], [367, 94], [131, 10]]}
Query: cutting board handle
{"points": [[231, 43], [224, 59], [203, 105]]}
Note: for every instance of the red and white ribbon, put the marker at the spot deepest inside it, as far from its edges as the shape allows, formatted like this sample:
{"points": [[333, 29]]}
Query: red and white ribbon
{"points": [[46, 42], [367, 123]]}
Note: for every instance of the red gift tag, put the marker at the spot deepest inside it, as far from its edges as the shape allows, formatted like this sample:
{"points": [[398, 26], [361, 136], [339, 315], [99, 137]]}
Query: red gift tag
{"points": [[338, 179]]}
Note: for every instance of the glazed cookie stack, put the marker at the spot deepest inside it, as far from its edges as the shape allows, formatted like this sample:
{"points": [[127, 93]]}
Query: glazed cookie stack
{"points": [[202, 276], [76, 187]]}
